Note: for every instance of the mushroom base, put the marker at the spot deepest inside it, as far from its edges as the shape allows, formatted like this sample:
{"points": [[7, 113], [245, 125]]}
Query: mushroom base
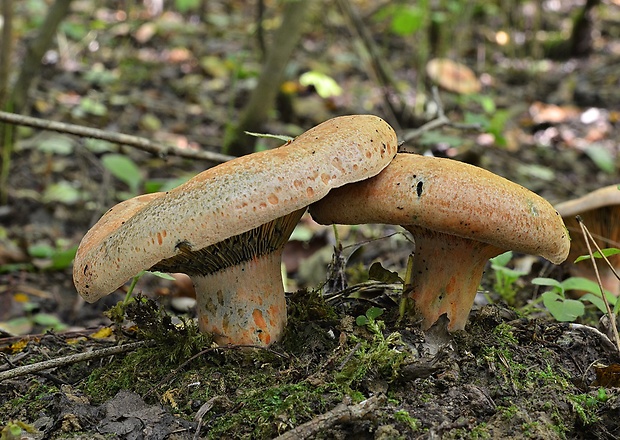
{"points": [[446, 274], [243, 304]]}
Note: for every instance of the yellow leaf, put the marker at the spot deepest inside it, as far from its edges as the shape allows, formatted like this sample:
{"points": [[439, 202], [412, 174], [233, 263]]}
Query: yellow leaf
{"points": [[102, 333]]}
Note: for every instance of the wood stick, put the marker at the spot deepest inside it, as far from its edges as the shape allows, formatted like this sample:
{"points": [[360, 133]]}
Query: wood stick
{"points": [[71, 359], [117, 138], [342, 413]]}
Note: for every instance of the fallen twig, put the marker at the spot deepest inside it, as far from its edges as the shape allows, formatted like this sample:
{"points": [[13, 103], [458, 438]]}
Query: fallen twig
{"points": [[117, 138], [342, 413], [594, 332], [71, 359], [440, 121]]}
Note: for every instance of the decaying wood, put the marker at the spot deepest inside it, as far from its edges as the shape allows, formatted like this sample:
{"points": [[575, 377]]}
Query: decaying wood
{"points": [[342, 413]]}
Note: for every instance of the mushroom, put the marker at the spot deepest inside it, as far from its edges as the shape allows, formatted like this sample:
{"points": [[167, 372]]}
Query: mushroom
{"points": [[452, 76], [459, 215], [600, 212], [227, 226]]}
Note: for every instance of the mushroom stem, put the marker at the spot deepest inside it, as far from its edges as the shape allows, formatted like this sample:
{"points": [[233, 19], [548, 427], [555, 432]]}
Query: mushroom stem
{"points": [[243, 304], [238, 282], [446, 274]]}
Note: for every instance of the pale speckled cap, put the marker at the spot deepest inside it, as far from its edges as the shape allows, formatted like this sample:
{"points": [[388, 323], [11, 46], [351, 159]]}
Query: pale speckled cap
{"points": [[233, 198], [451, 197]]}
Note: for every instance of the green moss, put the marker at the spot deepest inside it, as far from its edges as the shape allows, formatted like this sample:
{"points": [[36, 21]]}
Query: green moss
{"points": [[403, 416], [374, 357], [505, 337], [585, 406], [479, 432]]}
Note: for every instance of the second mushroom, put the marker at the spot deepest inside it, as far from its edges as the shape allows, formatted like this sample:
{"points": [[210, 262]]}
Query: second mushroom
{"points": [[459, 215]]}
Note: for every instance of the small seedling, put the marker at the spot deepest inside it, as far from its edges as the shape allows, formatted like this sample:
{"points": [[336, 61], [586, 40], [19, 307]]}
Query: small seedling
{"points": [[369, 318], [505, 278], [116, 313], [135, 280]]}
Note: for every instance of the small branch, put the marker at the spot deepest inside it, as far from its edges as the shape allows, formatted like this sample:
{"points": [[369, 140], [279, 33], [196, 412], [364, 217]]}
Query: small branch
{"points": [[612, 316], [342, 413], [440, 121], [117, 138], [594, 332], [71, 359]]}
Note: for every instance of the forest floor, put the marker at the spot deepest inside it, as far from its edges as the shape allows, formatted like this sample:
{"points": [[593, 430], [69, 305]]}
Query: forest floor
{"points": [[514, 372]]}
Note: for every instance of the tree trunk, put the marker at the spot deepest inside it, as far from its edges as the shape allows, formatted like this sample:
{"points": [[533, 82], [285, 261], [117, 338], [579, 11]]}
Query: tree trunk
{"points": [[263, 97], [35, 50]]}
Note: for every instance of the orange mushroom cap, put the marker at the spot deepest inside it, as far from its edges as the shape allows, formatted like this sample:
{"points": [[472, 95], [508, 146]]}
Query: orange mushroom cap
{"points": [[460, 216]]}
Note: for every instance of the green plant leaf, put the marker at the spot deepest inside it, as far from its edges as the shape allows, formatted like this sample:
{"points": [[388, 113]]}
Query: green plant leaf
{"points": [[124, 169], [596, 300], [374, 312], [511, 274], [548, 282], [478, 119], [537, 171], [407, 20], [436, 137], [48, 320], [501, 260], [41, 251], [62, 192], [98, 145], [602, 157], [90, 106], [163, 275], [361, 320], [56, 144], [379, 273], [61, 259], [563, 310], [608, 252], [580, 283], [186, 5]]}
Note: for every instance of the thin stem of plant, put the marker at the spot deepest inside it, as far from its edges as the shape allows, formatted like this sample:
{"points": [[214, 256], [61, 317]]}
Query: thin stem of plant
{"points": [[588, 239], [117, 138]]}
